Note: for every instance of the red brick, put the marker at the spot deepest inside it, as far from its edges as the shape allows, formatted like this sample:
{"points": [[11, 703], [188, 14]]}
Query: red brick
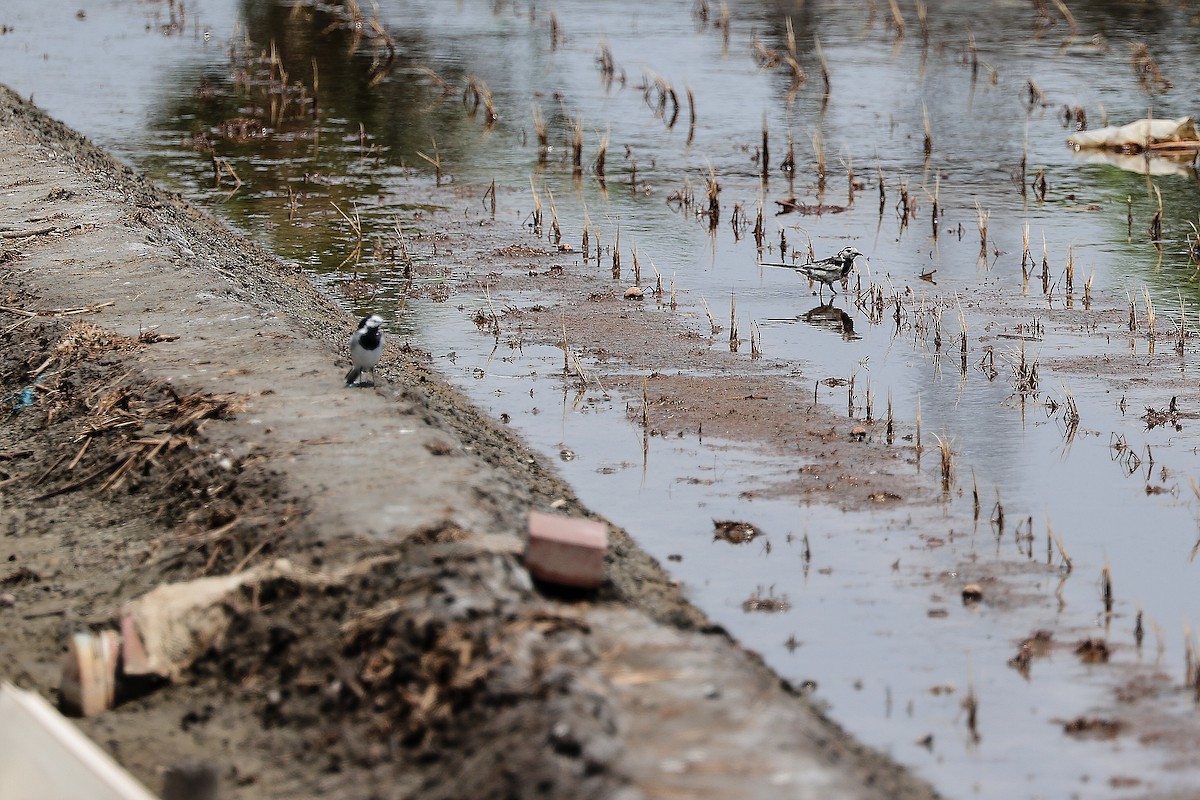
{"points": [[566, 550]]}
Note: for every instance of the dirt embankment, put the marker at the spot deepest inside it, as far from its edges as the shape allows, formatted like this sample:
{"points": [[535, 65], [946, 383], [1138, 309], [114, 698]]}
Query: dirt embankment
{"points": [[172, 407]]}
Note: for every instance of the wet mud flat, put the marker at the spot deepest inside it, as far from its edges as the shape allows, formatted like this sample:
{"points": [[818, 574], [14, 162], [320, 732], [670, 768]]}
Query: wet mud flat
{"points": [[173, 409]]}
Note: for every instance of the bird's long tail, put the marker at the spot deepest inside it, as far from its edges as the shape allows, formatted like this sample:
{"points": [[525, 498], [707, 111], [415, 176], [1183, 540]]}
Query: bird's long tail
{"points": [[352, 375]]}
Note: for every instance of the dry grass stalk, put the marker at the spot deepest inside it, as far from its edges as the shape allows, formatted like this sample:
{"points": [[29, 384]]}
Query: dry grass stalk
{"points": [[897, 18], [404, 254], [765, 153], [616, 255], [1062, 549], [1150, 316], [1181, 328], [1036, 96], [737, 221], [543, 137], [605, 62], [799, 76], [1107, 589], [923, 20], [712, 190], [1070, 415], [759, 228], [1067, 15], [583, 246], [764, 57], [222, 167], [645, 402], [882, 189], [435, 160], [691, 114], [315, 88], [1024, 168], [755, 341], [537, 208], [981, 219], [819, 148], [1025, 373], [1045, 266], [1156, 226], [1026, 256], [1040, 184], [937, 190], [355, 223], [577, 146], [477, 93], [917, 440], [973, 50], [824, 64], [712, 323], [928, 131], [733, 331], [1070, 270], [970, 705], [975, 494], [491, 194], [658, 287], [723, 23], [1150, 77], [890, 433], [555, 231]]}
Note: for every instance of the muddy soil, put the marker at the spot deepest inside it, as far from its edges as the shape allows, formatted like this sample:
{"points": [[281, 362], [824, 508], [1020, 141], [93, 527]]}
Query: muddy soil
{"points": [[172, 408]]}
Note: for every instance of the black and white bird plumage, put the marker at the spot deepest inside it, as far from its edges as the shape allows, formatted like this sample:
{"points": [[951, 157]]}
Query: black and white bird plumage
{"points": [[827, 271], [366, 347]]}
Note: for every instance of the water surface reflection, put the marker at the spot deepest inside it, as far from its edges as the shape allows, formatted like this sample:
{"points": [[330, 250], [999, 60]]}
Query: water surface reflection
{"points": [[327, 127]]}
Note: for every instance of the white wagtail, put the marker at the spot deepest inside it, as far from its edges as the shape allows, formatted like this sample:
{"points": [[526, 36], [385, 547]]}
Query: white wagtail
{"points": [[366, 347], [826, 271]]}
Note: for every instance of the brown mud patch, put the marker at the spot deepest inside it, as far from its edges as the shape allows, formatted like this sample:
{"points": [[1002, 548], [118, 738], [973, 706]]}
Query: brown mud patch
{"points": [[680, 378]]}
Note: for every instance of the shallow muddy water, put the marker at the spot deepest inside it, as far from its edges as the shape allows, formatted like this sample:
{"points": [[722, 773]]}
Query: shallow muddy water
{"points": [[874, 615]]}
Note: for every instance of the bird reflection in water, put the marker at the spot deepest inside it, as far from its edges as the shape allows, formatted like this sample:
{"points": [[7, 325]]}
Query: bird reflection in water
{"points": [[831, 318]]}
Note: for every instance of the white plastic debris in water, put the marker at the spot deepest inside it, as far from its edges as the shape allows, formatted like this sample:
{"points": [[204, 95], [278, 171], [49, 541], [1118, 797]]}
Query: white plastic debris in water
{"points": [[1141, 134], [42, 755]]}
